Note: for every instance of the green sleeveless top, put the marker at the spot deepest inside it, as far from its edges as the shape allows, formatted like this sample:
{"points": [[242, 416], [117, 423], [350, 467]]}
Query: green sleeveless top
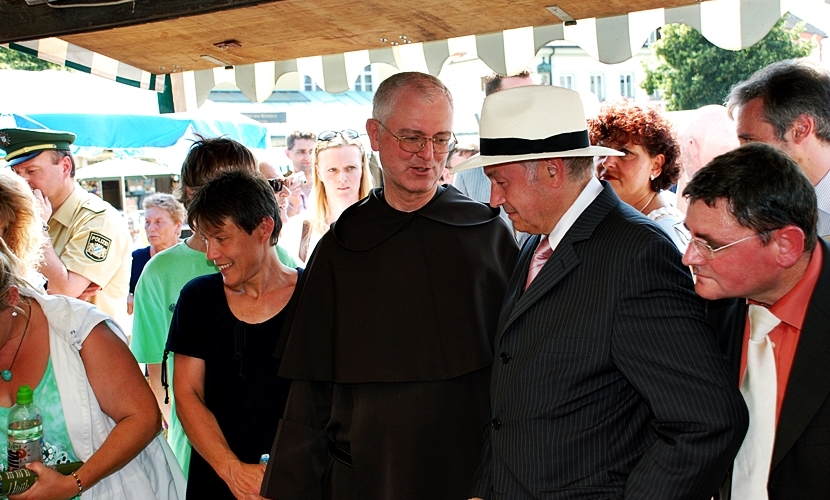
{"points": [[57, 448]]}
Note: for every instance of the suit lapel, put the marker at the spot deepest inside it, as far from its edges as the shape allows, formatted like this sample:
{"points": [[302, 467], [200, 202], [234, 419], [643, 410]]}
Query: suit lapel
{"points": [[562, 261], [809, 383], [517, 282], [728, 321]]}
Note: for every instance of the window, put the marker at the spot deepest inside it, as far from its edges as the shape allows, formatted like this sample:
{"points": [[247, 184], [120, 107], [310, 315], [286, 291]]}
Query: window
{"points": [[566, 81], [598, 86], [654, 36], [364, 80], [627, 85], [309, 84]]}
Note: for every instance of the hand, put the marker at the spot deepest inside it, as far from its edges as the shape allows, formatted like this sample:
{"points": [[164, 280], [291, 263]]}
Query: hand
{"points": [[50, 485], [296, 179], [130, 303], [245, 480], [45, 205], [90, 291]]}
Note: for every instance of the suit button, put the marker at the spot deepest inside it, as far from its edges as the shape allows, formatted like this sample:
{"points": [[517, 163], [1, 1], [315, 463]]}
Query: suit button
{"points": [[504, 357], [496, 424]]}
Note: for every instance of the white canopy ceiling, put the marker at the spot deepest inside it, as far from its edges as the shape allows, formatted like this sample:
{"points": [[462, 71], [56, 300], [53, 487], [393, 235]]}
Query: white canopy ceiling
{"points": [[730, 24]]}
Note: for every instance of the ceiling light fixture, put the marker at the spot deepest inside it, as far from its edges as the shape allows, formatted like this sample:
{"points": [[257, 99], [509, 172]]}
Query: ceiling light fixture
{"points": [[561, 14], [227, 44], [217, 61]]}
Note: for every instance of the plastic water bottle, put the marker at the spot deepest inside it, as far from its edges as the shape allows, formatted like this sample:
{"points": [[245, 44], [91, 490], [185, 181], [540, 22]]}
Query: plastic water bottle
{"points": [[25, 431]]}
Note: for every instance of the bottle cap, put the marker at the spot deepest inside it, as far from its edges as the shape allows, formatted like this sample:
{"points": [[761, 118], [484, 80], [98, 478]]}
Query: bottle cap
{"points": [[25, 396]]}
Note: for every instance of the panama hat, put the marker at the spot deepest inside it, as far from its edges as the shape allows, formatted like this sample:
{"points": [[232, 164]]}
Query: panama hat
{"points": [[532, 123]]}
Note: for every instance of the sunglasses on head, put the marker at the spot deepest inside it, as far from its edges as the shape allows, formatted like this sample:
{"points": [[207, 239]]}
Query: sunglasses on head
{"points": [[276, 184], [331, 134]]}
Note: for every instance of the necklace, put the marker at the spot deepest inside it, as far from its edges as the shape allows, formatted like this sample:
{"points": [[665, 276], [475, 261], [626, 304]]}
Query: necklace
{"points": [[649, 201], [7, 373]]}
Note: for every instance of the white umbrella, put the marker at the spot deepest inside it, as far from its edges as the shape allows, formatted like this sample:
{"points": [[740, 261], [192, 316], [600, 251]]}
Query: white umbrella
{"points": [[119, 168]]}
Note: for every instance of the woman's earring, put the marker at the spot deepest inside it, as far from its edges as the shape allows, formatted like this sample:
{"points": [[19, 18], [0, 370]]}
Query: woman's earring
{"points": [[651, 177], [14, 314]]}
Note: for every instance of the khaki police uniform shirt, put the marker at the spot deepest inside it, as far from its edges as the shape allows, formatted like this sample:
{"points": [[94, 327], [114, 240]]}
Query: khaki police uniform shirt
{"points": [[92, 239]]}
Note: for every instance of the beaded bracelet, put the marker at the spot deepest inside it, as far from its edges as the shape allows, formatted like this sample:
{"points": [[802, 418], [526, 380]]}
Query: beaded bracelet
{"points": [[78, 480]]}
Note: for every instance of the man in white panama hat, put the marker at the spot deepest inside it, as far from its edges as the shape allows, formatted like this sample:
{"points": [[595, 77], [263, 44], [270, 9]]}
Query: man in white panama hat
{"points": [[607, 381]]}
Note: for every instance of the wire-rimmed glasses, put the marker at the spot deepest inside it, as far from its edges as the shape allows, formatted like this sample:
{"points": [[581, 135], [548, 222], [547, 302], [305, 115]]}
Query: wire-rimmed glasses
{"points": [[707, 252], [442, 143]]}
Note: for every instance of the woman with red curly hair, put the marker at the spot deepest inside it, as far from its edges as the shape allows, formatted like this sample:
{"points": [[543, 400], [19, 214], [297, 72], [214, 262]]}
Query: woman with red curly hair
{"points": [[651, 163]]}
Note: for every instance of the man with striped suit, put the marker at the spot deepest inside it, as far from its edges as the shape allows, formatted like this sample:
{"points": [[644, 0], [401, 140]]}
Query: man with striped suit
{"points": [[607, 382]]}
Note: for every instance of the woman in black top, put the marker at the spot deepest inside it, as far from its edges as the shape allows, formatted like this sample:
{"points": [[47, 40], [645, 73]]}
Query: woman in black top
{"points": [[224, 330]]}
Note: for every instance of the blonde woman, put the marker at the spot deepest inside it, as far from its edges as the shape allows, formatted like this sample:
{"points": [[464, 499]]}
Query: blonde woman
{"points": [[21, 225], [340, 179], [96, 405]]}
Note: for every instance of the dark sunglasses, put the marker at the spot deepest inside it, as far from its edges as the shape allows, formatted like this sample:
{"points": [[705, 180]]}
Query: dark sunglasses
{"points": [[276, 184], [331, 134]]}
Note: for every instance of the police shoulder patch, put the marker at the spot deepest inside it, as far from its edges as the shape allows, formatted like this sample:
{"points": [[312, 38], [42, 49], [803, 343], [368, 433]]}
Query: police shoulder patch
{"points": [[97, 247]]}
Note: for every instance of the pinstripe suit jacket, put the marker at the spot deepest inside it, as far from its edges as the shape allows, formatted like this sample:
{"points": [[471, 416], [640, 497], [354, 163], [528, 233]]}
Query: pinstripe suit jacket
{"points": [[801, 455], [608, 382]]}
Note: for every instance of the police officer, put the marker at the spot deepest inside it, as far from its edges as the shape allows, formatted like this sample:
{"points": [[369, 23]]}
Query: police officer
{"points": [[87, 254]]}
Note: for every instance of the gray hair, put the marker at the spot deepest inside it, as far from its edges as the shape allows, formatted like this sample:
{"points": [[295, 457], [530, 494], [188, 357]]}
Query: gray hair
{"points": [[427, 86], [788, 89], [165, 201], [577, 167]]}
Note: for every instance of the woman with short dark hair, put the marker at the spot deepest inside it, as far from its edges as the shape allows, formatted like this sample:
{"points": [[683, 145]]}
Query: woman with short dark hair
{"points": [[224, 331]]}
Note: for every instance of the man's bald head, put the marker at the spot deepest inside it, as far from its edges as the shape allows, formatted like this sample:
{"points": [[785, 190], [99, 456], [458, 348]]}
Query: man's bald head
{"points": [[710, 134]]}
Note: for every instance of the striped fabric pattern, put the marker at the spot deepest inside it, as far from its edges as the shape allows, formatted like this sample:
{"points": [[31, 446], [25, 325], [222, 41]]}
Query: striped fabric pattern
{"points": [[66, 54], [607, 381], [729, 24]]}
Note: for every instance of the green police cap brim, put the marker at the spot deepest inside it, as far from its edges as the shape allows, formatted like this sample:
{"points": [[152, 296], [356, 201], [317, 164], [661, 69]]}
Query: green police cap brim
{"points": [[21, 144]]}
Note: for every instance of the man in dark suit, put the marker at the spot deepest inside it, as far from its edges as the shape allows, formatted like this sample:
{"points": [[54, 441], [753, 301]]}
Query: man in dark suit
{"points": [[752, 213], [607, 381]]}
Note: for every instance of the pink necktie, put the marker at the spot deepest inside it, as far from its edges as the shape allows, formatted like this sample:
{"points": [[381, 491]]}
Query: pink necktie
{"points": [[540, 256]]}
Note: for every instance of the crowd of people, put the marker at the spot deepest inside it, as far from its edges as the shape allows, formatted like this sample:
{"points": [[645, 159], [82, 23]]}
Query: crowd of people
{"points": [[574, 308]]}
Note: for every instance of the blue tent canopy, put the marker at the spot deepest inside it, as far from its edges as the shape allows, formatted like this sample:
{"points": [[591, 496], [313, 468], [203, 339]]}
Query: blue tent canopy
{"points": [[144, 131], [8, 120]]}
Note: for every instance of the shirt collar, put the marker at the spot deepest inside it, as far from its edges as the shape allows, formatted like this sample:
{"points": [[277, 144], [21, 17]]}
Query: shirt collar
{"points": [[586, 197], [67, 209], [823, 193], [792, 307]]}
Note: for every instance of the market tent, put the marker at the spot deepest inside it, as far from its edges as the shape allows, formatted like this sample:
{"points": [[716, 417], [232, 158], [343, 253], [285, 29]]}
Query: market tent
{"points": [[11, 120], [112, 177], [159, 131], [121, 168], [418, 37]]}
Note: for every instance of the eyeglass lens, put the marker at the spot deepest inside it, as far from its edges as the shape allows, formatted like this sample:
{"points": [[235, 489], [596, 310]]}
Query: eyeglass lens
{"points": [[415, 143]]}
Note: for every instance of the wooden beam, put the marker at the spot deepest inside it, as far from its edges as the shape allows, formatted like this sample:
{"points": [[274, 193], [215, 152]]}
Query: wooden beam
{"points": [[21, 22]]}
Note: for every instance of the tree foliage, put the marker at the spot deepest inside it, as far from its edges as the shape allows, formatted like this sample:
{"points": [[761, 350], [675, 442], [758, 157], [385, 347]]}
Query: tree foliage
{"points": [[13, 59], [692, 72]]}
